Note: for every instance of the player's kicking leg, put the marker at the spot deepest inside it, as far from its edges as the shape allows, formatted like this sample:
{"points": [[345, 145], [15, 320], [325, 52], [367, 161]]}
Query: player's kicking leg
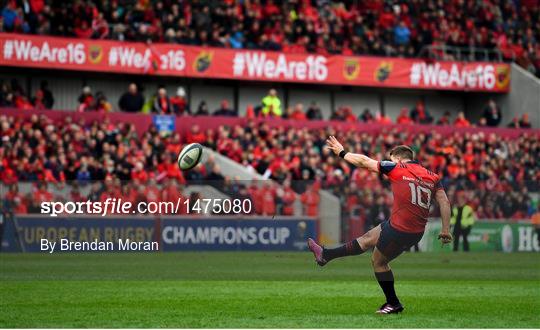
{"points": [[354, 247], [385, 277], [390, 245]]}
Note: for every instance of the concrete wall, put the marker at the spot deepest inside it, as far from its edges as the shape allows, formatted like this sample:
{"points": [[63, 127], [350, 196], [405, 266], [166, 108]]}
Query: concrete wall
{"points": [[439, 103], [523, 98], [213, 95], [358, 101], [393, 103], [306, 97]]}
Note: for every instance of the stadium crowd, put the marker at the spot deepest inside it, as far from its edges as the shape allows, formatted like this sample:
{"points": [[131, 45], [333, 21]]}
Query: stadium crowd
{"points": [[134, 100], [375, 27], [496, 173], [115, 162]]}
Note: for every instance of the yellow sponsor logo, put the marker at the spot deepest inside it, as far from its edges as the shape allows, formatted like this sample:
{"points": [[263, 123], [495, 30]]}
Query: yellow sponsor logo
{"points": [[383, 71], [351, 69], [95, 53], [203, 61], [503, 76]]}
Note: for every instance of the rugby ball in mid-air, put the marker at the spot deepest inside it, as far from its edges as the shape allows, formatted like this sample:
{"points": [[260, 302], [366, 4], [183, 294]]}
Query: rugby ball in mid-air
{"points": [[190, 156]]}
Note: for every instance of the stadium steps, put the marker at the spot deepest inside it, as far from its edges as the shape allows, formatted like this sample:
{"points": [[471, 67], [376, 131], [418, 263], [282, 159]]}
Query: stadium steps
{"points": [[329, 208]]}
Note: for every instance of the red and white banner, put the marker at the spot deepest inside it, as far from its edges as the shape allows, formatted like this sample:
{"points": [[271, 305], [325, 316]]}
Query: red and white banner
{"points": [[201, 62]]}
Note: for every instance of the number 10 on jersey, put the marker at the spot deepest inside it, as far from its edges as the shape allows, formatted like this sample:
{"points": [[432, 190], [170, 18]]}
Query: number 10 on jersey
{"points": [[417, 195]]}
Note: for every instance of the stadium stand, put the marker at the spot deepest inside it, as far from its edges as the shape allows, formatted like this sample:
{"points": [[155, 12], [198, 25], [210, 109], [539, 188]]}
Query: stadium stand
{"points": [[478, 29], [117, 160], [96, 159]]}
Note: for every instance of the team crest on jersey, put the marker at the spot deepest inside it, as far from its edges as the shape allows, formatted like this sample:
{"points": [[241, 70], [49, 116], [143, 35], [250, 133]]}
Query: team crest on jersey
{"points": [[503, 76], [203, 61], [95, 53], [383, 71], [351, 69]]}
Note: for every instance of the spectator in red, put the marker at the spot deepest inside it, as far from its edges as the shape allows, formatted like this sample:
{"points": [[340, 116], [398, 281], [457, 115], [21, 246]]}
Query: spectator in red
{"points": [[445, 119], [298, 112], [19, 205], [256, 196], [420, 115], [139, 173], [461, 121], [162, 103], [21, 101], [172, 193], [524, 122], [235, 151], [195, 135], [343, 113], [403, 117], [37, 101], [140, 196], [514, 123], [382, 119], [348, 114], [110, 192], [86, 99], [310, 200], [151, 191], [100, 27], [168, 169], [84, 31], [12, 197], [288, 197], [128, 195], [7, 174], [42, 194], [180, 103], [481, 122], [268, 198], [75, 194], [250, 111]]}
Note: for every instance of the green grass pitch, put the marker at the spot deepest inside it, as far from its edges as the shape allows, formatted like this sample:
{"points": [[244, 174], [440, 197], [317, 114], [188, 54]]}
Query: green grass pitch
{"points": [[254, 289]]}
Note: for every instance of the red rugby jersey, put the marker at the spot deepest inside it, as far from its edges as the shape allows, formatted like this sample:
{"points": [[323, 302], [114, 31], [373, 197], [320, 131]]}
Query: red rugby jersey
{"points": [[413, 187]]}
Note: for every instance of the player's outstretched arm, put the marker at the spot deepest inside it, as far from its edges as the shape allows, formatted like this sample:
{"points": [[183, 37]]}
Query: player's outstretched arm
{"points": [[444, 205], [357, 160]]}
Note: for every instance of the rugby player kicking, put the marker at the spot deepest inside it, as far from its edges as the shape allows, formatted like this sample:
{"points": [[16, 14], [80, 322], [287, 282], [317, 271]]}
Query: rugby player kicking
{"points": [[413, 187]]}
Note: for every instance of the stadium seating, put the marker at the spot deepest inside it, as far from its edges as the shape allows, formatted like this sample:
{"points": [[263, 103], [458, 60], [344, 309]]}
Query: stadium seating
{"points": [[372, 27], [498, 173]]}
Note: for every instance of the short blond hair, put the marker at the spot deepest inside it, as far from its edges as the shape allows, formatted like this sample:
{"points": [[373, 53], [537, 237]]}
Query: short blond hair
{"points": [[403, 152]]}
